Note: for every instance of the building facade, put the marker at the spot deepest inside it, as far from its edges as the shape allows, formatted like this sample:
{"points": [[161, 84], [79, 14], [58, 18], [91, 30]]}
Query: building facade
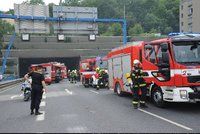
{"points": [[190, 16]]}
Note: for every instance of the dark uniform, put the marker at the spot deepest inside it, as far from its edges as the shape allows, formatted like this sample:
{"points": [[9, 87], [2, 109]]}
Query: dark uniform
{"points": [[73, 76], [103, 78], [138, 84], [37, 90]]}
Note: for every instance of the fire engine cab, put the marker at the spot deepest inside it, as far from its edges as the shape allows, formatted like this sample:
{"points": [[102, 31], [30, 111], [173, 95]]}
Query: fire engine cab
{"points": [[172, 64], [53, 71], [87, 69], [89, 77]]}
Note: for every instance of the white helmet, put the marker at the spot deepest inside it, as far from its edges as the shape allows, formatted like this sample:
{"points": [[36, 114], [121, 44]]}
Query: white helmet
{"points": [[135, 62]]}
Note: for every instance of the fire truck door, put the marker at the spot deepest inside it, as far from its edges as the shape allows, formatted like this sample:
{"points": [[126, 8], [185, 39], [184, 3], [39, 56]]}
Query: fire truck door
{"points": [[126, 68], [110, 72], [159, 56], [117, 68]]}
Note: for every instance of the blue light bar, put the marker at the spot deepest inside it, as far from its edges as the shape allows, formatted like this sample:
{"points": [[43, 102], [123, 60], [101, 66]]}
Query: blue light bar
{"points": [[184, 33]]}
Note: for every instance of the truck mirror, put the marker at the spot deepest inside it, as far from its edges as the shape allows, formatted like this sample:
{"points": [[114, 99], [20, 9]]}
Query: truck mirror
{"points": [[148, 47], [164, 47], [165, 57]]}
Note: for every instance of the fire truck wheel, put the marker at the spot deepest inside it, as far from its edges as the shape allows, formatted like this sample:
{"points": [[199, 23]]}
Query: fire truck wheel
{"points": [[118, 89], [157, 97]]}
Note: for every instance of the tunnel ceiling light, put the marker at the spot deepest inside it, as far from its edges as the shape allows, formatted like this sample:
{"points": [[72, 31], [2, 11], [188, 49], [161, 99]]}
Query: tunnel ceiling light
{"points": [[92, 37], [25, 37], [61, 37]]}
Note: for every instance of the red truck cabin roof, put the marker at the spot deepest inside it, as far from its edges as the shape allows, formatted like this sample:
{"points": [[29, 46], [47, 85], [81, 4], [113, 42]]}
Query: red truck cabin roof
{"points": [[125, 49], [88, 60]]}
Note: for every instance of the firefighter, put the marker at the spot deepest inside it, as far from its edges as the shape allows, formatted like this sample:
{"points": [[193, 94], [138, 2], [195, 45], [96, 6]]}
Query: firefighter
{"points": [[68, 74], [73, 76], [138, 83], [102, 76]]}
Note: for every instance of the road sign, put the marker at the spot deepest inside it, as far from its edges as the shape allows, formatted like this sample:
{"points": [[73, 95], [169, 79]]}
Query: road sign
{"points": [[31, 26], [75, 27]]}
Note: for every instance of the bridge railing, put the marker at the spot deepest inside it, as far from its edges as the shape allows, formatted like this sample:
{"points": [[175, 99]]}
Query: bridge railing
{"points": [[4, 84]]}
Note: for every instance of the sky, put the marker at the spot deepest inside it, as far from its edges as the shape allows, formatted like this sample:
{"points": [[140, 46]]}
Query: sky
{"points": [[5, 5]]}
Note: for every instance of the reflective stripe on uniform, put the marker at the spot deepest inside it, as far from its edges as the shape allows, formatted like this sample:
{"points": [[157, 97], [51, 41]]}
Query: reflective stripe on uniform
{"points": [[134, 102], [141, 85], [143, 102]]}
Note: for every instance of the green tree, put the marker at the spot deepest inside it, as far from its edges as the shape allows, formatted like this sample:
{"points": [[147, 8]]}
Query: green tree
{"points": [[137, 29], [151, 22], [11, 11], [72, 3], [116, 29], [36, 2]]}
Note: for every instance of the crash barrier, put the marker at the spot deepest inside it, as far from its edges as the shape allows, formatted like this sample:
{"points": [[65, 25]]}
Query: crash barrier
{"points": [[4, 84]]}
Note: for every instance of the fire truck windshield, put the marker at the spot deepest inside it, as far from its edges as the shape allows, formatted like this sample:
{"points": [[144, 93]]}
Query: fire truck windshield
{"points": [[102, 64], [187, 52]]}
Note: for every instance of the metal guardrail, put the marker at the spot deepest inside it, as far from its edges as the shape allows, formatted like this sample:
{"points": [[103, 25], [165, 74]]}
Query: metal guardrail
{"points": [[9, 83]]}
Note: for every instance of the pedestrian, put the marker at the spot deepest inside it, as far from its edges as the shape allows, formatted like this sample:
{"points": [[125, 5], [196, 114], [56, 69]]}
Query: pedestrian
{"points": [[38, 87], [138, 84]]}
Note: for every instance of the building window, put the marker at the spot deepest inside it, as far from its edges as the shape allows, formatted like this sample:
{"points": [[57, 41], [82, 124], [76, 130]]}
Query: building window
{"points": [[181, 15], [190, 19], [181, 7], [182, 23], [190, 11]]}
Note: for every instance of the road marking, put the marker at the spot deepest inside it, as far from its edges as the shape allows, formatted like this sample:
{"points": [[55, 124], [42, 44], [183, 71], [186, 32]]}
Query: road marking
{"points": [[43, 104], [9, 88], [162, 118], [15, 96], [94, 92], [44, 96], [69, 92], [41, 117]]}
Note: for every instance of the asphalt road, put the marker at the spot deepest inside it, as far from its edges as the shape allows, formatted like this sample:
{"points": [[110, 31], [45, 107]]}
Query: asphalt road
{"points": [[71, 108]]}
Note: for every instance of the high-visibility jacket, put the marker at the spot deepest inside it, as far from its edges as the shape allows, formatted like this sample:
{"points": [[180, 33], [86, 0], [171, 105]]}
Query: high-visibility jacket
{"points": [[137, 77]]}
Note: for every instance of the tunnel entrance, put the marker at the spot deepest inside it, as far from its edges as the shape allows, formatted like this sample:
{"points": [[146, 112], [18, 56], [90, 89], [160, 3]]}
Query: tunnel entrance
{"points": [[24, 63]]}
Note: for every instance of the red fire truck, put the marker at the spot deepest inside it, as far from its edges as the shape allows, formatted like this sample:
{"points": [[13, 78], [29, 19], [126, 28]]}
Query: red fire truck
{"points": [[87, 70], [53, 71], [172, 64]]}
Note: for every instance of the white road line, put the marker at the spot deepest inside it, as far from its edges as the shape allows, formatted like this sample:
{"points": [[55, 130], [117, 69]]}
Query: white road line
{"points": [[69, 92], [9, 88], [44, 97], [41, 117], [43, 104], [162, 118], [94, 92], [14, 96]]}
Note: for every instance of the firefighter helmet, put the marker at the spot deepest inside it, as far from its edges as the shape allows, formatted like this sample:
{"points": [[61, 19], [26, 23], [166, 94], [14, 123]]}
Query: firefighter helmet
{"points": [[135, 62], [97, 69]]}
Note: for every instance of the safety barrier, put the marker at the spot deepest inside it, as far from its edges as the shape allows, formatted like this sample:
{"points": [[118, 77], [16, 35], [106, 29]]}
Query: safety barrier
{"points": [[9, 83]]}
